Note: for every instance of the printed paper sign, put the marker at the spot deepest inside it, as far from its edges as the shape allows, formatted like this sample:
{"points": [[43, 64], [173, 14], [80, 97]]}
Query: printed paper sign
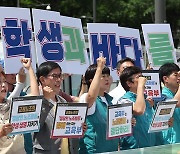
{"points": [[159, 44], [153, 86], [69, 119], [17, 39], [119, 120], [164, 112], [25, 114]]}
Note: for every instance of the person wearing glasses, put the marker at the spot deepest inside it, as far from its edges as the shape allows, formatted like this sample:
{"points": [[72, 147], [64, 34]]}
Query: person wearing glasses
{"points": [[49, 75], [134, 84]]}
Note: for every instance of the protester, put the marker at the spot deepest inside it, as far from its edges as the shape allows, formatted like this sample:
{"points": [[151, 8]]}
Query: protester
{"points": [[49, 75], [119, 91], [14, 143], [97, 78], [134, 84], [11, 81], [170, 76]]}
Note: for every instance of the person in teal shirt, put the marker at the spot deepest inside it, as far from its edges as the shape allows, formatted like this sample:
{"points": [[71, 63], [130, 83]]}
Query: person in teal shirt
{"points": [[97, 77], [170, 76], [134, 84]]}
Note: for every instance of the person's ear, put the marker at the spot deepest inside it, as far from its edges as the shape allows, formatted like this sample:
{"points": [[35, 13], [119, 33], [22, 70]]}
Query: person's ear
{"points": [[165, 79], [129, 83], [42, 80]]}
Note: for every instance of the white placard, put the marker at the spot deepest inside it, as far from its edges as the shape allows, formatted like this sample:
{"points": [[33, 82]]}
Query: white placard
{"points": [[115, 43], [68, 120], [119, 120], [74, 45], [25, 114], [159, 44], [152, 86], [17, 38], [164, 111], [48, 36]]}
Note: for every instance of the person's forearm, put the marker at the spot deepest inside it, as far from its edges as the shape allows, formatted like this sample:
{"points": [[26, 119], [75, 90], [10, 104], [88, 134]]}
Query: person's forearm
{"points": [[140, 105], [33, 83], [94, 88], [17, 90]]}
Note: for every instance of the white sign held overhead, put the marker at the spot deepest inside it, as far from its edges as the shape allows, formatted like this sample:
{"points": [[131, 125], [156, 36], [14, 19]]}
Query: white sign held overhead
{"points": [[159, 44], [17, 39]]}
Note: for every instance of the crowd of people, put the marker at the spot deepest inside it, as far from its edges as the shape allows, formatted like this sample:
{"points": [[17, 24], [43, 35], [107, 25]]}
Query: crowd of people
{"points": [[95, 92]]}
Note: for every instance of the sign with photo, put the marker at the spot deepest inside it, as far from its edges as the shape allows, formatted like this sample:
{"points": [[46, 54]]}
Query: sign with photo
{"points": [[25, 114], [69, 119], [164, 112], [119, 120], [152, 86]]}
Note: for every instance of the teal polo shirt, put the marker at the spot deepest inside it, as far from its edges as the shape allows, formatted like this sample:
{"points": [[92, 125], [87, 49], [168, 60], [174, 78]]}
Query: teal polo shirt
{"points": [[140, 138], [94, 140], [172, 135]]}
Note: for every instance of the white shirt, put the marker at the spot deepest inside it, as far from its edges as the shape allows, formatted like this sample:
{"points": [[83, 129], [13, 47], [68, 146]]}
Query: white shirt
{"points": [[92, 109], [117, 93]]}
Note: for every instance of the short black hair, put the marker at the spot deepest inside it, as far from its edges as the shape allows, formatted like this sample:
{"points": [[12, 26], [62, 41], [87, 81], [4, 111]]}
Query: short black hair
{"points": [[45, 68], [167, 69], [120, 62], [90, 72], [127, 74]]}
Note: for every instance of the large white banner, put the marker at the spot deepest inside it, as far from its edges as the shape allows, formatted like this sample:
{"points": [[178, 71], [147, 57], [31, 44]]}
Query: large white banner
{"points": [[159, 44], [74, 44], [17, 39], [48, 36], [115, 43], [60, 39]]}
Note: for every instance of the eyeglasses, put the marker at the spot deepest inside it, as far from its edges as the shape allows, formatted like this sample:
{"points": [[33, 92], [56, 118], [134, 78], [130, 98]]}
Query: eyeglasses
{"points": [[56, 76]]}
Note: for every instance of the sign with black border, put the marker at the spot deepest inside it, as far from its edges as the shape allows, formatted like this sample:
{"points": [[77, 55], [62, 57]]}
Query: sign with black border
{"points": [[152, 86], [119, 120], [25, 114], [68, 120], [164, 111]]}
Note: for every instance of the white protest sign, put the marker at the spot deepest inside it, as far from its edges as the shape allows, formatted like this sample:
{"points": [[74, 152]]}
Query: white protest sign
{"points": [[74, 44], [130, 45], [164, 112], [159, 44], [17, 39], [152, 86], [103, 39], [48, 36], [119, 120], [25, 114], [68, 120], [115, 43]]}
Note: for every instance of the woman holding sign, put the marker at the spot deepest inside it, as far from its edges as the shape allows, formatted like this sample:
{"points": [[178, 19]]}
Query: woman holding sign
{"points": [[15, 143], [97, 78]]}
